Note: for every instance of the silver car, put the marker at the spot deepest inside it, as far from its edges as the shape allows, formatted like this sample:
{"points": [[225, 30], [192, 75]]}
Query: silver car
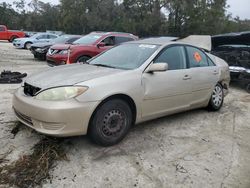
{"points": [[128, 84]]}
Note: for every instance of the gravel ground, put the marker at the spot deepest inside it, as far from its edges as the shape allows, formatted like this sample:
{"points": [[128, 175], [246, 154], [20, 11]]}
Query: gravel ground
{"points": [[191, 149]]}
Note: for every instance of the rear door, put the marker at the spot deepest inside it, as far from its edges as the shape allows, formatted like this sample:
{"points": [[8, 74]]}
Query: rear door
{"points": [[170, 91], [204, 75]]}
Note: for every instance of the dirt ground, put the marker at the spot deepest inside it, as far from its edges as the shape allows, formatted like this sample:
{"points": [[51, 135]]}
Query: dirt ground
{"points": [[191, 149]]}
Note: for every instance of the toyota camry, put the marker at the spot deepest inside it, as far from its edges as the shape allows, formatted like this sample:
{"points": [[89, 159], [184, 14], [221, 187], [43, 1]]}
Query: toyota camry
{"points": [[128, 84]]}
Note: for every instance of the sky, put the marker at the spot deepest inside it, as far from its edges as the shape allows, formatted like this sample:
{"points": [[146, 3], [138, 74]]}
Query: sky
{"points": [[237, 7]]}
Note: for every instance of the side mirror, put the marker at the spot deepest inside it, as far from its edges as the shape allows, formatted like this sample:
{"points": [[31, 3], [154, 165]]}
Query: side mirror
{"points": [[101, 44], [157, 67]]}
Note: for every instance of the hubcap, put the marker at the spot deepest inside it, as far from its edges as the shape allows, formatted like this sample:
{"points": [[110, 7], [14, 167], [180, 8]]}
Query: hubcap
{"points": [[28, 46], [217, 96], [83, 60], [113, 123]]}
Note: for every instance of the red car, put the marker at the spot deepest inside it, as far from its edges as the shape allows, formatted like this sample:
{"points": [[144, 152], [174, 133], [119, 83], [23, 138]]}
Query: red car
{"points": [[10, 35], [86, 47]]}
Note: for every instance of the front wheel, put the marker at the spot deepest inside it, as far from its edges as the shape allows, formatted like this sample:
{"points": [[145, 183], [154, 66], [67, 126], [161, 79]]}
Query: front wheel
{"points": [[27, 45], [110, 123], [82, 59], [217, 98]]}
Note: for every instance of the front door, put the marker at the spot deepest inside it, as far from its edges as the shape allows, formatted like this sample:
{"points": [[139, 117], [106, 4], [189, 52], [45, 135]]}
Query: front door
{"points": [[170, 91]]}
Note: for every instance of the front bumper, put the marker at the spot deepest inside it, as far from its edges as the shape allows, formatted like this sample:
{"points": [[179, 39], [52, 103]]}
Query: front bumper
{"points": [[39, 55], [18, 44], [55, 118], [55, 60]]}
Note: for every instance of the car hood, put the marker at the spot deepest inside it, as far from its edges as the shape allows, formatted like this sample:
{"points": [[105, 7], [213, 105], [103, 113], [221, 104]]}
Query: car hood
{"points": [[43, 44], [67, 75], [67, 46], [241, 38]]}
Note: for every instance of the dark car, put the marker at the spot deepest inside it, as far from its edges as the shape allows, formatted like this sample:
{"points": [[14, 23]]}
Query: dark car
{"points": [[234, 48], [40, 49], [86, 47]]}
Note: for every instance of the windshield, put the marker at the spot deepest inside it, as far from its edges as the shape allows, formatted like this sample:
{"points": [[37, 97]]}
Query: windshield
{"points": [[35, 35], [88, 39], [126, 56]]}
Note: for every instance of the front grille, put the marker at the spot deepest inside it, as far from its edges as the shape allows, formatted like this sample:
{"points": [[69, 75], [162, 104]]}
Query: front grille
{"points": [[23, 117], [30, 90], [52, 51]]}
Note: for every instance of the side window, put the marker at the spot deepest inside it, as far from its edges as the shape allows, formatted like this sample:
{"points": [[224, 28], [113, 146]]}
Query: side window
{"points": [[42, 37], [196, 57], [52, 36], [1, 28], [119, 40], [210, 62], [174, 56], [71, 40], [109, 41]]}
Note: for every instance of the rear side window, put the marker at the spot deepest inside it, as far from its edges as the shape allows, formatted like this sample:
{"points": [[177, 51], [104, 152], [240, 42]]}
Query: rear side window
{"points": [[52, 36], [196, 57], [210, 62], [1, 28], [174, 56], [119, 40]]}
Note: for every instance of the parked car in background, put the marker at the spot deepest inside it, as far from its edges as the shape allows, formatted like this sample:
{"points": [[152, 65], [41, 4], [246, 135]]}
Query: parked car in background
{"points": [[86, 47], [10, 35], [38, 37], [130, 83], [234, 48], [39, 50]]}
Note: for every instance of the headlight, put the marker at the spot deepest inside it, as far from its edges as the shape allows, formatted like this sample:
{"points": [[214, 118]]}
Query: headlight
{"points": [[63, 52], [61, 93], [40, 50]]}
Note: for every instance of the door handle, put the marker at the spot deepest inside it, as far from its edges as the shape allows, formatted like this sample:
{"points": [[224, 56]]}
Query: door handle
{"points": [[215, 72], [186, 77]]}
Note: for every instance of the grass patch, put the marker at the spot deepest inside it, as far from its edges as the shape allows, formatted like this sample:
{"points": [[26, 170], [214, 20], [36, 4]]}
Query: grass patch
{"points": [[32, 170]]}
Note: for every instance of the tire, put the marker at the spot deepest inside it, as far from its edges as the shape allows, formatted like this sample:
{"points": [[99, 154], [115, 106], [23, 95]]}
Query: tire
{"points": [[248, 88], [27, 45], [82, 59], [217, 98], [12, 38], [110, 122]]}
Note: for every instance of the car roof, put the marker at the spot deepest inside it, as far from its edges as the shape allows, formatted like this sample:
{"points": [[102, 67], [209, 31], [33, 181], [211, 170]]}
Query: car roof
{"points": [[200, 41], [155, 40], [103, 33]]}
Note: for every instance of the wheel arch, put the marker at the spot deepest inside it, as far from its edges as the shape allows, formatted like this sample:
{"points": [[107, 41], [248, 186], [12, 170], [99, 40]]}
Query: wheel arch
{"points": [[81, 55], [123, 97]]}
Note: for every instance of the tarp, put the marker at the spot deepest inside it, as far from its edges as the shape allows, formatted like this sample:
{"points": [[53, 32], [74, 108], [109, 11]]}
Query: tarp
{"points": [[201, 41]]}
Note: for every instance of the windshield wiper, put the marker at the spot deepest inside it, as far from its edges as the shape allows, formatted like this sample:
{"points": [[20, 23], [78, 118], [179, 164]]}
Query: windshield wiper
{"points": [[102, 65]]}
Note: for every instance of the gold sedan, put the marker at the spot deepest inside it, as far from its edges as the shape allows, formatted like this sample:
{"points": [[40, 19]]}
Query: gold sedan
{"points": [[128, 84]]}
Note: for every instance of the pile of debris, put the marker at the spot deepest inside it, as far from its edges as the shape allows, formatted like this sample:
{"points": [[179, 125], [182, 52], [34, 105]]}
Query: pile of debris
{"points": [[9, 77], [32, 170]]}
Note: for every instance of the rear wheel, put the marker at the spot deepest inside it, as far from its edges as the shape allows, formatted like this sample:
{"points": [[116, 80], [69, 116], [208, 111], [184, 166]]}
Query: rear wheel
{"points": [[27, 45], [248, 88], [110, 123], [82, 59], [217, 98], [12, 38]]}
